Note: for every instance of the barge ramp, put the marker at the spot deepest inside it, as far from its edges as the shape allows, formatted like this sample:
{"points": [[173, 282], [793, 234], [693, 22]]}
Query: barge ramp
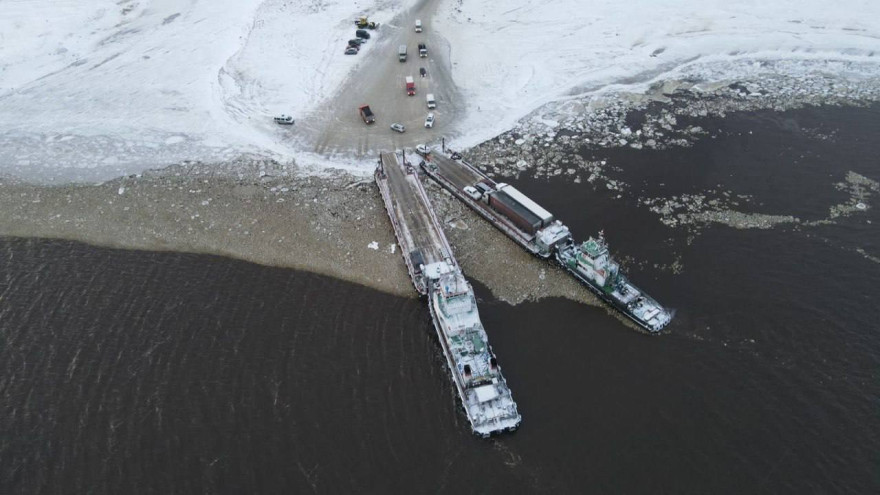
{"points": [[485, 396]]}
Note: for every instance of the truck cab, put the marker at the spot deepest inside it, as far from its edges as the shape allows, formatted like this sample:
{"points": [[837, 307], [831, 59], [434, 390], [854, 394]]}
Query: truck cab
{"points": [[410, 86], [423, 50], [418, 25], [429, 98]]}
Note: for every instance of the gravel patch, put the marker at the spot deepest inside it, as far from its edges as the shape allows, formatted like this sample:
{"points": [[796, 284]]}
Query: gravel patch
{"points": [[268, 213]]}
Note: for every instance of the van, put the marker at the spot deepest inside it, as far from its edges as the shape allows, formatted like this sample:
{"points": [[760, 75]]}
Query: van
{"points": [[430, 99], [418, 25], [401, 53]]}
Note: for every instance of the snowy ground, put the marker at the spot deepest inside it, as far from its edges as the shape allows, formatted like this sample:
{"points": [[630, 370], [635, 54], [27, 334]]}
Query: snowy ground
{"points": [[511, 57], [91, 89]]}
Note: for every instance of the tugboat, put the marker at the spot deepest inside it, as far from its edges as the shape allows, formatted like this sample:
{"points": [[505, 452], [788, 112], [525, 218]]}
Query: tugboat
{"points": [[485, 396], [590, 263]]}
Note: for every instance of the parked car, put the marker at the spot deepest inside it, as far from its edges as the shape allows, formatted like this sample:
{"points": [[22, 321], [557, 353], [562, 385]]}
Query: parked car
{"points": [[397, 126], [356, 41], [351, 51], [362, 33], [423, 150], [354, 44], [429, 120], [472, 192], [366, 114], [423, 72], [284, 120]]}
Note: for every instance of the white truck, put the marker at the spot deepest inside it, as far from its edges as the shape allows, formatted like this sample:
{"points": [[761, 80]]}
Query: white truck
{"points": [[423, 50], [418, 25], [401, 53], [429, 98]]}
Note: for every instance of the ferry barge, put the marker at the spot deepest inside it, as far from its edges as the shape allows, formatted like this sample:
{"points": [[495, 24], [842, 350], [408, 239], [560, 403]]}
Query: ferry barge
{"points": [[487, 400], [539, 232]]}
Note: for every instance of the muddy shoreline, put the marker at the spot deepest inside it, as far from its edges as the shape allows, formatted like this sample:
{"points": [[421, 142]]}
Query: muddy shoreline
{"points": [[268, 213]]}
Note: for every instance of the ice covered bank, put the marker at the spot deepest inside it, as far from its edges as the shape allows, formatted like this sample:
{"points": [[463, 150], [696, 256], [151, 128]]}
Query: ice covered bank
{"points": [[100, 88], [510, 58]]}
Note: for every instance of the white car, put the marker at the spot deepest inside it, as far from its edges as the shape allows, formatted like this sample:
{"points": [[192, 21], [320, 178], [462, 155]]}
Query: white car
{"points": [[423, 149], [429, 121], [472, 192], [397, 126]]}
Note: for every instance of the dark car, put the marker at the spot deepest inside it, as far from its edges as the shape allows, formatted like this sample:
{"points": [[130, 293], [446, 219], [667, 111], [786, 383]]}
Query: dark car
{"points": [[355, 42], [362, 33], [351, 51], [423, 72]]}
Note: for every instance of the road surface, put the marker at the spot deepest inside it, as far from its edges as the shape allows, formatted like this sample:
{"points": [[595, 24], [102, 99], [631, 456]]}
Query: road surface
{"points": [[336, 128]]}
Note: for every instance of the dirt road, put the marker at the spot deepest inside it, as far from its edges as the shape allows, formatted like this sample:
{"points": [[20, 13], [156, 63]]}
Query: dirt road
{"points": [[336, 128]]}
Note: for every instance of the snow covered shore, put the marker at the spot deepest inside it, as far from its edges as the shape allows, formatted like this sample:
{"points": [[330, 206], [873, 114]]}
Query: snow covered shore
{"points": [[510, 58], [100, 88]]}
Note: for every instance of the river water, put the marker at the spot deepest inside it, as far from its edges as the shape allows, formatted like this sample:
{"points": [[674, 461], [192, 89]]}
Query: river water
{"points": [[129, 372]]}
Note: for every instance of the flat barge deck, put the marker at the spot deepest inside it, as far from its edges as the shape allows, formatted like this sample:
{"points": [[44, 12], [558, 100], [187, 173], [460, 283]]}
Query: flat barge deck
{"points": [[456, 175], [418, 232]]}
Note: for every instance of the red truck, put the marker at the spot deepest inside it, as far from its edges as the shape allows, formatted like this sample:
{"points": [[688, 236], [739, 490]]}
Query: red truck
{"points": [[366, 114], [410, 86]]}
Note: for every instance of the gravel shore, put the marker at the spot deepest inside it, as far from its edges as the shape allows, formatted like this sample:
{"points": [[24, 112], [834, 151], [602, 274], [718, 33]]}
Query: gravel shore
{"points": [[268, 213]]}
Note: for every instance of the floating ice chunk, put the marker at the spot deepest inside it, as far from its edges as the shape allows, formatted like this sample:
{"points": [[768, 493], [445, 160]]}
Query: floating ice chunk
{"points": [[373, 245]]}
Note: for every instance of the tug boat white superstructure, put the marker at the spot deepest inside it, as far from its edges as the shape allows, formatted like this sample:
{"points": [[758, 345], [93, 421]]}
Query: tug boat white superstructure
{"points": [[485, 396], [591, 263]]}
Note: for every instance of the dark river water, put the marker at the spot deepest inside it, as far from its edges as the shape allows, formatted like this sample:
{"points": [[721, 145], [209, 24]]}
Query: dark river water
{"points": [[139, 372]]}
